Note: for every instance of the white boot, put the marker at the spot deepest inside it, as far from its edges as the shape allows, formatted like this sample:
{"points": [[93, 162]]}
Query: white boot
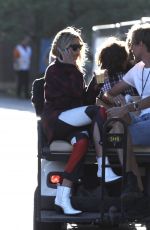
{"points": [[109, 174], [62, 201]]}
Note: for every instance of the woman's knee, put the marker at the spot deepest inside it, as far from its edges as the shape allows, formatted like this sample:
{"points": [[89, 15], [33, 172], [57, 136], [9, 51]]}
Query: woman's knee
{"points": [[92, 110], [84, 136], [96, 112]]}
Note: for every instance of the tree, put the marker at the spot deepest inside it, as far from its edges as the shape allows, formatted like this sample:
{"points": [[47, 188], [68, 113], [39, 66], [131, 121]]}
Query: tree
{"points": [[43, 19]]}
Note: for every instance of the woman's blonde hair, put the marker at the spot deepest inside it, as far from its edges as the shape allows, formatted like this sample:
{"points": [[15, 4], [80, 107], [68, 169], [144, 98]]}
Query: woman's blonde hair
{"points": [[63, 39]]}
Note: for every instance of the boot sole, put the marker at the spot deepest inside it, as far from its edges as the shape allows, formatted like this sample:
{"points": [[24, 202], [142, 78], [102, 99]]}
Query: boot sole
{"points": [[60, 210], [112, 181]]}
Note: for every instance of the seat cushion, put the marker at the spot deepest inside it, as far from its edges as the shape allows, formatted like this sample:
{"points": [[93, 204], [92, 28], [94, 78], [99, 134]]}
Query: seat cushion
{"points": [[60, 146], [141, 149], [64, 146]]}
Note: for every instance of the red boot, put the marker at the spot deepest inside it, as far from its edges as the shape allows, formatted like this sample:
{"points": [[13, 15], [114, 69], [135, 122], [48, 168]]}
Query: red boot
{"points": [[79, 150]]}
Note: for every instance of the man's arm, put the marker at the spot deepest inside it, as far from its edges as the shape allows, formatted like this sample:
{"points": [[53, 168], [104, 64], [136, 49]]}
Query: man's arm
{"points": [[118, 88], [16, 54], [143, 103], [131, 107], [110, 97]]}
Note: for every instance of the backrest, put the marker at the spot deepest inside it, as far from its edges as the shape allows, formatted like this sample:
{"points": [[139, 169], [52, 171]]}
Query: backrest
{"points": [[37, 95]]}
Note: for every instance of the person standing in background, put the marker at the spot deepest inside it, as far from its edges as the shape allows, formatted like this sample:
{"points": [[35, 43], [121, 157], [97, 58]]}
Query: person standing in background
{"points": [[21, 63]]}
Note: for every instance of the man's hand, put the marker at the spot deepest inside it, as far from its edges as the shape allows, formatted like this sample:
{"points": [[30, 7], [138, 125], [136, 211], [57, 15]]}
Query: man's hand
{"points": [[117, 112], [119, 100], [113, 101]]}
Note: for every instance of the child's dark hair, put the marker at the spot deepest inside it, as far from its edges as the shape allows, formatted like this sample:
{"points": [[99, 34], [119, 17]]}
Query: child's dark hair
{"points": [[113, 56]]}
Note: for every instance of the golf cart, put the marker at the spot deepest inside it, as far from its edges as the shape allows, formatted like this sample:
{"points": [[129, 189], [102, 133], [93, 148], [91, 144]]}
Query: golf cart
{"points": [[99, 201]]}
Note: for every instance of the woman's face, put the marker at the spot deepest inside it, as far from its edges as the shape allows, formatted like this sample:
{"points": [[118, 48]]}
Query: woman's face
{"points": [[75, 47]]}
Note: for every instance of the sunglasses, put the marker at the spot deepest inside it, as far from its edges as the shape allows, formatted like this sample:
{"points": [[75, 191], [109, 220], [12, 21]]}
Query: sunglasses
{"points": [[75, 47]]}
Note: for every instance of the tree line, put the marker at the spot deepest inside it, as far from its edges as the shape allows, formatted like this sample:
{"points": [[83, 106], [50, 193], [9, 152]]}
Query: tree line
{"points": [[44, 18]]}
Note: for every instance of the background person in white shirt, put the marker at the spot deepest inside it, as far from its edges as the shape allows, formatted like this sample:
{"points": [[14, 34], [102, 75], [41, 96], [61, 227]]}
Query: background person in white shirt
{"points": [[22, 60]]}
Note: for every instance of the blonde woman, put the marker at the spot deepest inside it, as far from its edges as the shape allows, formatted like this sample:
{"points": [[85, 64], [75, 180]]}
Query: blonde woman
{"points": [[69, 111]]}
